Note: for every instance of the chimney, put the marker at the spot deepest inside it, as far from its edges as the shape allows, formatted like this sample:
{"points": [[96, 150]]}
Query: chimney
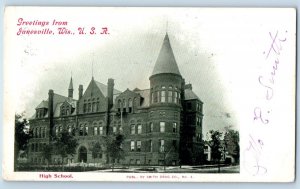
{"points": [[80, 89], [50, 113], [110, 91]]}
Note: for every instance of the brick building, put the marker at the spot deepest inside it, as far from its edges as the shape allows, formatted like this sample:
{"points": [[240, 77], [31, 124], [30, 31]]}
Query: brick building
{"points": [[162, 123]]}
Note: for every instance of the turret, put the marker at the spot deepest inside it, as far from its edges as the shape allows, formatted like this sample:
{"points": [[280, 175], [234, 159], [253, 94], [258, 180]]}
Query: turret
{"points": [[166, 80], [70, 90]]}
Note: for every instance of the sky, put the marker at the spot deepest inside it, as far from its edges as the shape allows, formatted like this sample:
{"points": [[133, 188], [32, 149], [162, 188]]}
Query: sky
{"points": [[241, 63], [214, 53]]}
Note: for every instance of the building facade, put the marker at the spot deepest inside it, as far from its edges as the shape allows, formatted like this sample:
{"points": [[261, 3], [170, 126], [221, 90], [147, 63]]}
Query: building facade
{"points": [[162, 124]]}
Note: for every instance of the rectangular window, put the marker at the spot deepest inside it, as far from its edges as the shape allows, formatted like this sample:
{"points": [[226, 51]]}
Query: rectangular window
{"points": [[152, 97], [170, 96], [94, 107], [175, 97], [95, 130], [132, 129], [86, 130], [98, 106], [175, 144], [163, 96], [101, 130], [138, 162], [84, 108], [114, 129], [162, 146], [198, 137], [138, 145], [132, 146], [162, 127], [189, 106], [174, 127], [156, 94], [151, 127], [131, 162], [89, 107], [150, 144], [130, 105], [139, 129]]}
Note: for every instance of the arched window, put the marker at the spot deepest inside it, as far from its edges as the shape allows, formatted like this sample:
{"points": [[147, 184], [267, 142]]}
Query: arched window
{"points": [[119, 105], [98, 106], [94, 107], [176, 97], [81, 130], [40, 132], [152, 97], [170, 94], [86, 131], [124, 105], [156, 94], [163, 94], [69, 129], [37, 133], [139, 127], [95, 130], [84, 107], [56, 130], [89, 107], [129, 105], [135, 101]]}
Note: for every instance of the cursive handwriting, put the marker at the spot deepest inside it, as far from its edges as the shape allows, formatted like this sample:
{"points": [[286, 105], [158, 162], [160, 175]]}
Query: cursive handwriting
{"points": [[259, 115], [252, 156], [267, 80]]}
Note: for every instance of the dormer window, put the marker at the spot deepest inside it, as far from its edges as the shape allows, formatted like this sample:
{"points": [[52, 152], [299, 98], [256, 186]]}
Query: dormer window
{"points": [[40, 113], [65, 109]]}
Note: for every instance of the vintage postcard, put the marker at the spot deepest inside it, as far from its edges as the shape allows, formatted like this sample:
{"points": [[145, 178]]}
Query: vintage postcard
{"points": [[149, 94]]}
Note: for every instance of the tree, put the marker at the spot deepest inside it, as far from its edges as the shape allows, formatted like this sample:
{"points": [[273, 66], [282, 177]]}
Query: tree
{"points": [[96, 150], [65, 144], [22, 136], [231, 139], [215, 145], [47, 152], [199, 153], [114, 148]]}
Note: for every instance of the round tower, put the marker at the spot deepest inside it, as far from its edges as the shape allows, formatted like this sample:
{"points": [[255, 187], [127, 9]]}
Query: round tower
{"points": [[165, 106], [165, 81]]}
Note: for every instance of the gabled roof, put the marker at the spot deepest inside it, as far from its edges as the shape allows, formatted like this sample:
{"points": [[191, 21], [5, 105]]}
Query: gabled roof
{"points": [[43, 104], [103, 88], [146, 96], [166, 62], [190, 95]]}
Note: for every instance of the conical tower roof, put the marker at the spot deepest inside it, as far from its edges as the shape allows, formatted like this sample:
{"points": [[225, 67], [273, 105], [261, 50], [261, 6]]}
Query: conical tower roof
{"points": [[71, 84], [166, 62]]}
